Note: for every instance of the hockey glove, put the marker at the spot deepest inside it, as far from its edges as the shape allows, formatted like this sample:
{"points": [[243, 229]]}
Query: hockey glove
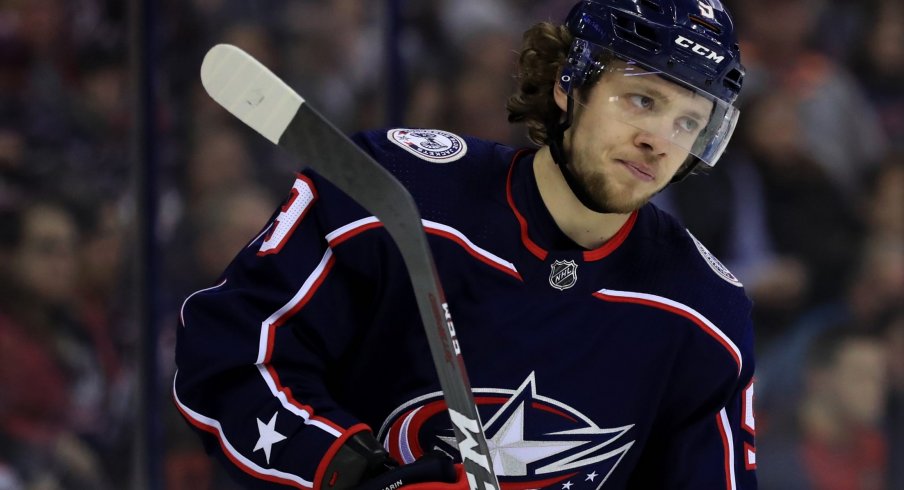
{"points": [[362, 463], [433, 471]]}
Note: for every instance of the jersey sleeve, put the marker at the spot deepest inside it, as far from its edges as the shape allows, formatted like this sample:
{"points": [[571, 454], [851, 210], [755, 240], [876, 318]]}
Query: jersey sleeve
{"points": [[707, 437], [254, 351], [705, 431], [703, 445]]}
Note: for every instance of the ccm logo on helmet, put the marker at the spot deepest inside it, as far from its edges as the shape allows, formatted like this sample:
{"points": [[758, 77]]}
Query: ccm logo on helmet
{"points": [[699, 49]]}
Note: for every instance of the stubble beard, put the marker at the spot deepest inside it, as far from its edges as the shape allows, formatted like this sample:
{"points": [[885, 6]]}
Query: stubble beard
{"points": [[598, 189]]}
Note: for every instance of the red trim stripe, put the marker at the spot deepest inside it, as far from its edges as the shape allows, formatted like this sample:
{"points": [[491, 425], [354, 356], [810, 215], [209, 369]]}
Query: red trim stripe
{"points": [[271, 338], [216, 433], [355, 232], [298, 306], [331, 452], [613, 243], [472, 252], [535, 249], [671, 309]]}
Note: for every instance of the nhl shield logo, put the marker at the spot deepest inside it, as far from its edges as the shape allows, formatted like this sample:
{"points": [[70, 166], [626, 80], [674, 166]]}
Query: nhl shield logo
{"points": [[563, 275]]}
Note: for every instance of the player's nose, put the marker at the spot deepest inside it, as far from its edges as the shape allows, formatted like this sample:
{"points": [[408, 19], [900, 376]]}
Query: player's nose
{"points": [[651, 142]]}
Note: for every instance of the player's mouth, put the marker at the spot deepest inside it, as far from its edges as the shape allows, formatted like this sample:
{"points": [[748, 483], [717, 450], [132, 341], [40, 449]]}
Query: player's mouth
{"points": [[639, 170]]}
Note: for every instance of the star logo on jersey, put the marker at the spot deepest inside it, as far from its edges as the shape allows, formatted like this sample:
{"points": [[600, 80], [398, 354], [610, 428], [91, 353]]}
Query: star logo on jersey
{"points": [[534, 441], [268, 436], [563, 275]]}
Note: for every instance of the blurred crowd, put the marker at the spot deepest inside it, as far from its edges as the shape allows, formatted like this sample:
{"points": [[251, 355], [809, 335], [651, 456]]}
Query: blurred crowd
{"points": [[806, 207]]}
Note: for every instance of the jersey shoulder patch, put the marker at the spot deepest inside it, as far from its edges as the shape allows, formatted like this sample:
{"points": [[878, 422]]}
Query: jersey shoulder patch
{"points": [[714, 263], [432, 145]]}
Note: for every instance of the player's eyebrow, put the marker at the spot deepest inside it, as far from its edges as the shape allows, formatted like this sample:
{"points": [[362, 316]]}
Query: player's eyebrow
{"points": [[656, 93]]}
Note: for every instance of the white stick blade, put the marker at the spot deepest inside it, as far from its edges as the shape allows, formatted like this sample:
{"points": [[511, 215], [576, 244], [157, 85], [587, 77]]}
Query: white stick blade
{"points": [[249, 90]]}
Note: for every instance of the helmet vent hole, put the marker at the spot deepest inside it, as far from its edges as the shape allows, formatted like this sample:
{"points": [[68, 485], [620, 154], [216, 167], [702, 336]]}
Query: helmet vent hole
{"points": [[636, 32], [733, 79], [705, 23], [652, 5], [646, 32]]}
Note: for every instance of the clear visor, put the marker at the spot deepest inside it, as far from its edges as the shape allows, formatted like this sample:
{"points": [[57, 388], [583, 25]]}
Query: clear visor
{"points": [[664, 110]]}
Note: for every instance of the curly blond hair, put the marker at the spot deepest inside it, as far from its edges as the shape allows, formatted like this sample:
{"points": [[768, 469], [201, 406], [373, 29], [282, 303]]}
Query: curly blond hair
{"points": [[543, 51]]}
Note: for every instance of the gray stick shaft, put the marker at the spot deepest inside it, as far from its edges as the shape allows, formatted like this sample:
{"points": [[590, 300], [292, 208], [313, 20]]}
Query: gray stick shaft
{"points": [[319, 145]]}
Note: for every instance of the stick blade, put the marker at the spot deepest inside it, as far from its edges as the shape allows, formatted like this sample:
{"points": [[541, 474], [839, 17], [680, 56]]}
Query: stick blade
{"points": [[249, 90]]}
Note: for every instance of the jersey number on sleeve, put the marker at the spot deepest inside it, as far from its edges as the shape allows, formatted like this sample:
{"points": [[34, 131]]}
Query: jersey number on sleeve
{"points": [[749, 425], [292, 212]]}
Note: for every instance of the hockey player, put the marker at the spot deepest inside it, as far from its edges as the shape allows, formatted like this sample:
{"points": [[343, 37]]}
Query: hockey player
{"points": [[607, 348]]}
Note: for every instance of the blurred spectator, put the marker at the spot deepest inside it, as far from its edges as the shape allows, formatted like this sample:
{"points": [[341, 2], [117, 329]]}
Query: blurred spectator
{"points": [[884, 204], [218, 160], [338, 59], [836, 441], [102, 305], [842, 412], [879, 66], [481, 87], [811, 227], [894, 338], [49, 431], [839, 127], [13, 174]]}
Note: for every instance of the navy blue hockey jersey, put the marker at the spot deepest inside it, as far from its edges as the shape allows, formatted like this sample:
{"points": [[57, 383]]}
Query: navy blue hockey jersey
{"points": [[627, 366]]}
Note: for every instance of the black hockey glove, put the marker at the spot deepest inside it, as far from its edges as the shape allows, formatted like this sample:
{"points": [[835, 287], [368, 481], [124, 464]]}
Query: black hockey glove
{"points": [[362, 463], [433, 471]]}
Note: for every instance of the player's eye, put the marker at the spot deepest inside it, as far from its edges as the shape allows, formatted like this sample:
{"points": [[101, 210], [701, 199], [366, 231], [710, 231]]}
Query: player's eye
{"points": [[641, 101], [688, 124]]}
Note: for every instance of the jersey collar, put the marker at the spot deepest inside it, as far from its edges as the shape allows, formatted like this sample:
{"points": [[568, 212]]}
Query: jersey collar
{"points": [[523, 195]]}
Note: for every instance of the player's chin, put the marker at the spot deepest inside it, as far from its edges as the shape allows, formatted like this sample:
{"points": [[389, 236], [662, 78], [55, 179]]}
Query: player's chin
{"points": [[621, 202], [617, 197], [631, 197], [628, 205]]}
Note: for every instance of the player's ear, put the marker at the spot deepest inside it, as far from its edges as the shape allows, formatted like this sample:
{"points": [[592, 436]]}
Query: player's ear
{"points": [[560, 96]]}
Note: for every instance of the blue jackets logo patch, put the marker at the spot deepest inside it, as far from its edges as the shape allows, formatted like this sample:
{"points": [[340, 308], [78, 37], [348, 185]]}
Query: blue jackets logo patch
{"points": [[432, 145], [563, 275], [535, 441]]}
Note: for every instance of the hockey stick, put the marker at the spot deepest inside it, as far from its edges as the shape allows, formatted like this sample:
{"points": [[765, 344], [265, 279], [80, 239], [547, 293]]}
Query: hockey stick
{"points": [[252, 93]]}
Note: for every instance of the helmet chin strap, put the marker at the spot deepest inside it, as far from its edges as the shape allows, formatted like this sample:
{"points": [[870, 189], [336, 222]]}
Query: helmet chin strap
{"points": [[556, 131]]}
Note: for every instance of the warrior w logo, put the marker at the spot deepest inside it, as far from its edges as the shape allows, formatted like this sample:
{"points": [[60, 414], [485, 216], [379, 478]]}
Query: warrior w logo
{"points": [[563, 275]]}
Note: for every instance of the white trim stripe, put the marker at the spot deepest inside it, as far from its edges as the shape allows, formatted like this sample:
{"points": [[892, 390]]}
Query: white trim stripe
{"points": [[483, 253], [182, 309], [429, 225], [729, 438], [299, 295], [687, 309], [284, 401], [262, 233], [264, 343], [349, 227], [227, 446]]}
